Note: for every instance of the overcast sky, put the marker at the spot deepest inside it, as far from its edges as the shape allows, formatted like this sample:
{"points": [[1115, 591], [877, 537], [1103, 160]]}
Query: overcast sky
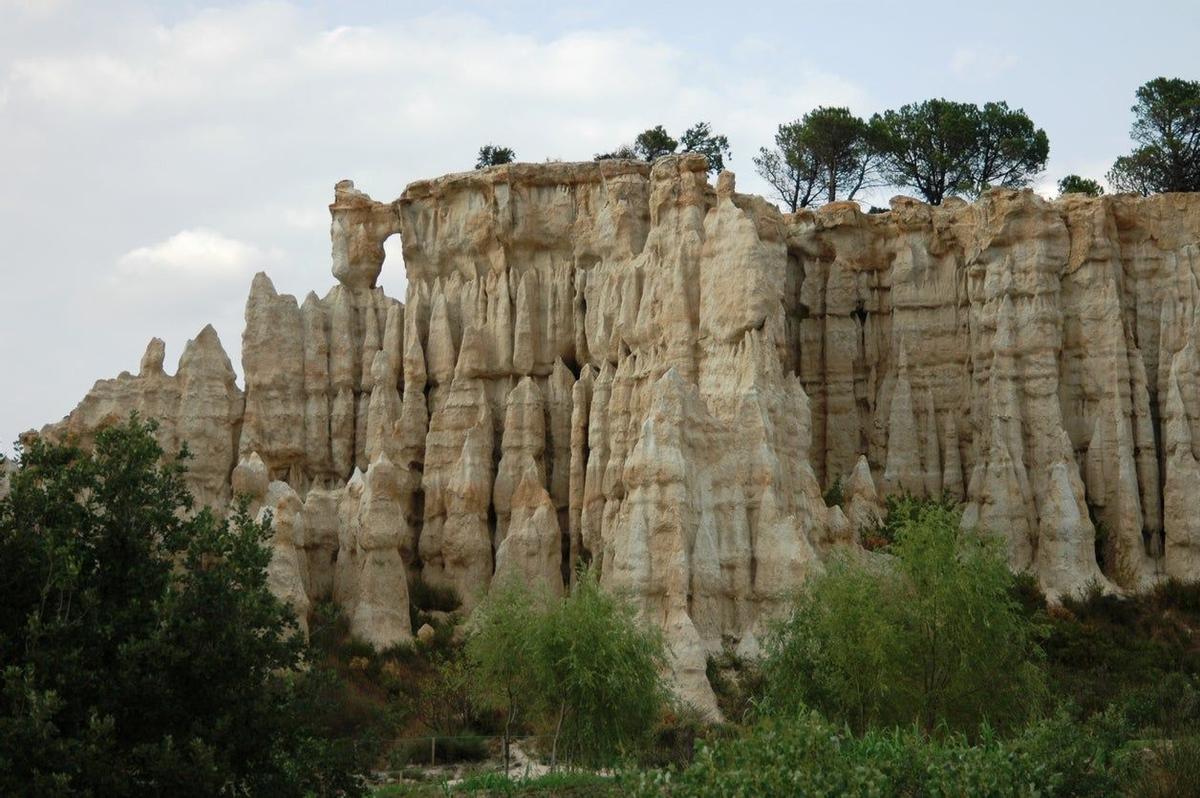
{"points": [[154, 156]]}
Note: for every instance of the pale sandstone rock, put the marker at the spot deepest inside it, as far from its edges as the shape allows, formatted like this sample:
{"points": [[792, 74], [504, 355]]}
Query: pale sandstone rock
{"points": [[287, 573], [532, 550], [665, 374], [380, 614]]}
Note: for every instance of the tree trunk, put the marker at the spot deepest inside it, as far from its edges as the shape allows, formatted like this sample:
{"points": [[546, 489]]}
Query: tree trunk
{"points": [[433, 750], [562, 709]]}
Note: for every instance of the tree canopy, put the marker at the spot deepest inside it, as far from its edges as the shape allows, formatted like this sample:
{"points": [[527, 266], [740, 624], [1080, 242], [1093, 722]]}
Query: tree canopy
{"points": [[654, 143], [492, 155], [713, 146], [1074, 184], [140, 648], [1166, 132], [584, 669], [790, 168], [930, 635], [940, 147]]}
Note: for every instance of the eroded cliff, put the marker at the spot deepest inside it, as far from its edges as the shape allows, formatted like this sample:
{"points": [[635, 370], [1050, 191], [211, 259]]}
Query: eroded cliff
{"points": [[624, 365]]}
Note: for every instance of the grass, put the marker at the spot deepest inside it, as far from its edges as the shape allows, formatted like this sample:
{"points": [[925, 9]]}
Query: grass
{"points": [[577, 784]]}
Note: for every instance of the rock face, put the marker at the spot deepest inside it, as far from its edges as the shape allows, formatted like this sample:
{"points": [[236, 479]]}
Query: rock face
{"points": [[621, 364]]}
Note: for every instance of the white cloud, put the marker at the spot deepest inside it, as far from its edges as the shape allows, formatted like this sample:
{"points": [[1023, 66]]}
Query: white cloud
{"points": [[981, 61], [196, 148], [198, 254]]}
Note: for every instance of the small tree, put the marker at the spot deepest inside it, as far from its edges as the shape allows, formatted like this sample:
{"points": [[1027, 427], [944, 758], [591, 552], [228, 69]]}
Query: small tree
{"points": [[654, 143], [713, 146], [1074, 184], [502, 647], [930, 636], [601, 669], [624, 152], [1166, 130], [491, 155], [790, 169]]}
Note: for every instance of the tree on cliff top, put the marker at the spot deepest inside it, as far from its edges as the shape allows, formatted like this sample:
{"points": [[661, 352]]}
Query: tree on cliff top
{"points": [[940, 148], [492, 155], [654, 143], [1075, 184], [141, 651], [1166, 130], [827, 155], [790, 169]]}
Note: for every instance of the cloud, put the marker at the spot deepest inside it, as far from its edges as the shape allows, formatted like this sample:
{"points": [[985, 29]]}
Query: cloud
{"points": [[184, 150], [981, 62], [194, 255]]}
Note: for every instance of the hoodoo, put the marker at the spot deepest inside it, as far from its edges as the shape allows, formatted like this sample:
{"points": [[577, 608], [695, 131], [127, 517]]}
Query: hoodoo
{"points": [[621, 364]]}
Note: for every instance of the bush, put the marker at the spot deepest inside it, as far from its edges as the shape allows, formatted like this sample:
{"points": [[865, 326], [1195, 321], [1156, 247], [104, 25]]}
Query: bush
{"points": [[930, 635], [141, 649], [602, 668], [806, 755], [1173, 770]]}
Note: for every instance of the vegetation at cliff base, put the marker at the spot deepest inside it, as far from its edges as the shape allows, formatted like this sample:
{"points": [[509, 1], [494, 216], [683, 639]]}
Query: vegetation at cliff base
{"points": [[142, 652], [928, 636]]}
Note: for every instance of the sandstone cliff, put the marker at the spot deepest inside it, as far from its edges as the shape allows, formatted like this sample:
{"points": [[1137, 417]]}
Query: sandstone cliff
{"points": [[624, 365]]}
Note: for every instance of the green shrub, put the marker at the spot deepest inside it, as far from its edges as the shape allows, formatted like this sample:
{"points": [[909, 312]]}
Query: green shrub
{"points": [[1173, 770], [835, 497], [930, 635], [806, 755], [603, 669]]}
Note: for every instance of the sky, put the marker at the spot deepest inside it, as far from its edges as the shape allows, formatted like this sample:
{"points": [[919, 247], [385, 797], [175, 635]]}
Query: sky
{"points": [[155, 155]]}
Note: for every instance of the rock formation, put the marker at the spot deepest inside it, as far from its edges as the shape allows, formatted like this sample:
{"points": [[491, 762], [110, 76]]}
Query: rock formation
{"points": [[621, 364]]}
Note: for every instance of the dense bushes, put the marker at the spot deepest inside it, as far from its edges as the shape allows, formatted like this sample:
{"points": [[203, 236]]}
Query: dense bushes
{"points": [[807, 755], [929, 634], [142, 652], [922, 669]]}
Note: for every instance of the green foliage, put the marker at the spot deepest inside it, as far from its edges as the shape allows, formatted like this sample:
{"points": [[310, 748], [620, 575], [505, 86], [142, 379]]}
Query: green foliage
{"points": [[827, 155], [834, 496], [1074, 184], [939, 147], [930, 635], [492, 155], [790, 169], [141, 649], [497, 784], [1166, 132], [625, 152], [1173, 770], [843, 148], [505, 640], [654, 143], [601, 668], [713, 146], [1133, 652], [806, 755]]}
